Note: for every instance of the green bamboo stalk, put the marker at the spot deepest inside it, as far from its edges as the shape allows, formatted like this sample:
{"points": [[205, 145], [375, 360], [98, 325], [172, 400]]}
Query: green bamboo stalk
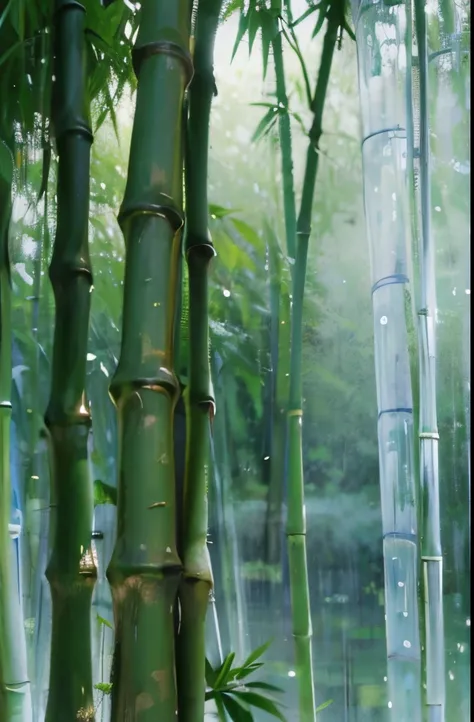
{"points": [[197, 582], [15, 704], [280, 308], [289, 204], [71, 571], [431, 551], [145, 568], [296, 524]]}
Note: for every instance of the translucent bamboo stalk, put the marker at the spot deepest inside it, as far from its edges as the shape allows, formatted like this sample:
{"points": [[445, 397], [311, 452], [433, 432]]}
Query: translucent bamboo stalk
{"points": [[70, 572], [383, 32], [145, 568], [431, 550], [15, 696], [197, 581]]}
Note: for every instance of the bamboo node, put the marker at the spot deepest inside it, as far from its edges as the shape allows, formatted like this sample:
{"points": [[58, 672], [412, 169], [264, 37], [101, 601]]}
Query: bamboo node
{"points": [[429, 435], [295, 412], [163, 47]]}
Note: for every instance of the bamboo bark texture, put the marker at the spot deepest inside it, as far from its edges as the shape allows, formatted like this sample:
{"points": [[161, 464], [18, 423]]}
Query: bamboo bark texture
{"points": [[71, 571], [385, 105], [196, 584], [145, 568]]}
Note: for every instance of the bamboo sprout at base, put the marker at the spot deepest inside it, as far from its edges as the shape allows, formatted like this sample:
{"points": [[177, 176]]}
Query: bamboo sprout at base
{"points": [[70, 571], [145, 568], [296, 525], [197, 582]]}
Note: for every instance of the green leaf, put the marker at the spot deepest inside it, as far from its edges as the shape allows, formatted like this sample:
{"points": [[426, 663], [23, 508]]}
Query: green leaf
{"points": [[261, 702], [243, 672], [237, 711], [321, 18], [264, 685], [324, 705], [104, 622], [254, 23], [253, 656], [266, 123], [211, 674], [104, 493], [269, 31], [223, 671], [221, 212], [104, 687], [243, 25]]}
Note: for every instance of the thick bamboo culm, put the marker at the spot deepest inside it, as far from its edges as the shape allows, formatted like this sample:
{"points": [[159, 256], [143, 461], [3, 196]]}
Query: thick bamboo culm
{"points": [[70, 572], [196, 584], [431, 550], [145, 568]]}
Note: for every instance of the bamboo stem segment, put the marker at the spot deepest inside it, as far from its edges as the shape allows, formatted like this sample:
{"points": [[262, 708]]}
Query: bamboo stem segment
{"points": [[296, 524], [71, 571], [196, 584], [145, 568]]}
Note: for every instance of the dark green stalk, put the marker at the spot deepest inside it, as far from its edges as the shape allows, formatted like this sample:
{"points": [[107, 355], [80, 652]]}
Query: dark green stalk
{"points": [[14, 683], [296, 524], [197, 580], [145, 568], [71, 571], [431, 552]]}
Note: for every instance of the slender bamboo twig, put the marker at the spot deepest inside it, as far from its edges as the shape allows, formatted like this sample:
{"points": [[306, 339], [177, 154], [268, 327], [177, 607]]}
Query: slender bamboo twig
{"points": [[196, 584], [296, 524], [145, 568], [71, 571]]}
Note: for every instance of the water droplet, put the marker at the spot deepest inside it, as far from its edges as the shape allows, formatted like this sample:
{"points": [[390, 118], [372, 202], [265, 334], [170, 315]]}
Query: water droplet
{"points": [[468, 622], [451, 675], [384, 320], [291, 673], [385, 679], [454, 291], [226, 293], [467, 291], [437, 209], [405, 614], [406, 643], [401, 584], [390, 705]]}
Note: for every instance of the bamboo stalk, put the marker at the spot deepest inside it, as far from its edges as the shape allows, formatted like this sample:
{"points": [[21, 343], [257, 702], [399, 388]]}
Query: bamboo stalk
{"points": [[15, 700], [395, 351], [197, 582], [296, 524], [289, 204], [70, 572], [431, 551], [145, 568]]}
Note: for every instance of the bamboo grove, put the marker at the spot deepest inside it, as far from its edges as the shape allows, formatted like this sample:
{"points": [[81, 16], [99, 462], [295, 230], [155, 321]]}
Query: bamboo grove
{"points": [[69, 64]]}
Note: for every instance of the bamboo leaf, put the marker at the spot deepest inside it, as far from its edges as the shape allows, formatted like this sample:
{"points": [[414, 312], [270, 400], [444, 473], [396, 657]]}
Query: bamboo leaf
{"points": [[261, 702], [211, 674], [224, 669], [104, 493], [243, 672], [237, 711], [253, 656], [216, 211], [269, 30], [254, 23], [104, 622], [321, 18], [324, 705], [264, 685], [243, 26]]}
